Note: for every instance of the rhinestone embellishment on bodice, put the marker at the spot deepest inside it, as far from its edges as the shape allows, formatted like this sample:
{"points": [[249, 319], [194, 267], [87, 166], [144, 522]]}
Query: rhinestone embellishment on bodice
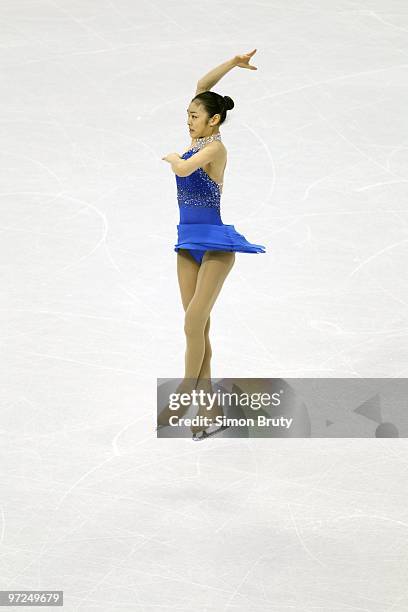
{"points": [[198, 188]]}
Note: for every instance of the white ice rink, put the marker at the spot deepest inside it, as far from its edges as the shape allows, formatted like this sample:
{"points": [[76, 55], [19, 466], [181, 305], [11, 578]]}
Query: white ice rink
{"points": [[94, 94]]}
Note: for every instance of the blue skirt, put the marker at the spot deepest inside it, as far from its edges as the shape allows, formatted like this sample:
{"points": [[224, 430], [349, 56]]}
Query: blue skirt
{"points": [[201, 237]]}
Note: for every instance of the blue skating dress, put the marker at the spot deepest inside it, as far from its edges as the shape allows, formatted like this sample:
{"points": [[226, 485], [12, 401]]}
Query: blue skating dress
{"points": [[201, 228]]}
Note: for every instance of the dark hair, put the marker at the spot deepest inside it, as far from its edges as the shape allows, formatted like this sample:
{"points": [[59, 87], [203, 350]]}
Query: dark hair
{"points": [[215, 103]]}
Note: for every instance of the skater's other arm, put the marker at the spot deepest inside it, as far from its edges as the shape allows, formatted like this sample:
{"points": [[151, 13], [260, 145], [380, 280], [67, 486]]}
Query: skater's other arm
{"points": [[185, 167]]}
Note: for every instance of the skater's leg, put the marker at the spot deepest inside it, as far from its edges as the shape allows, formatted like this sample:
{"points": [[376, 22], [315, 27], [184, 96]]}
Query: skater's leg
{"points": [[212, 273], [205, 371], [214, 269], [199, 287], [187, 271]]}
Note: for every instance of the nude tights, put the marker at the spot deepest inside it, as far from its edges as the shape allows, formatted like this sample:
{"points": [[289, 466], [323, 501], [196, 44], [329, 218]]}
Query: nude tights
{"points": [[200, 286]]}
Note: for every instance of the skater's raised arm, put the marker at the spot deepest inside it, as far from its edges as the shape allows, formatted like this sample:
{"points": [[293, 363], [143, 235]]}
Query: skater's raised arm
{"points": [[185, 167], [211, 78]]}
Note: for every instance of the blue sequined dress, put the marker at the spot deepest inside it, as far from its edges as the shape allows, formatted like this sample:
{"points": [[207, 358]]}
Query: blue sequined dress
{"points": [[201, 228]]}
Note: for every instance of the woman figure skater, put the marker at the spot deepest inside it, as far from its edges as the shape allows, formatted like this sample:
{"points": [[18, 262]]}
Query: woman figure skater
{"points": [[206, 246]]}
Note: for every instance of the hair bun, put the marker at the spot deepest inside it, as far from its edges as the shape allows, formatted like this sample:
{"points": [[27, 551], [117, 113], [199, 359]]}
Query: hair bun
{"points": [[229, 102]]}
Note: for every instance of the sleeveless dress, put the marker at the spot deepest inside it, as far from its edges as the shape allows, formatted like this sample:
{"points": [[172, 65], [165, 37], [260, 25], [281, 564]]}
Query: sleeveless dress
{"points": [[201, 228]]}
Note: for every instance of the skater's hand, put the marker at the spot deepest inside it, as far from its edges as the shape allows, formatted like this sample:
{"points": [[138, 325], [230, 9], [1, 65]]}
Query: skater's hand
{"points": [[171, 157], [243, 60]]}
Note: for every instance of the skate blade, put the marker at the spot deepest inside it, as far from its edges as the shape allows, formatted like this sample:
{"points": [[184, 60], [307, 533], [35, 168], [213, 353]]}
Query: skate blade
{"points": [[211, 430]]}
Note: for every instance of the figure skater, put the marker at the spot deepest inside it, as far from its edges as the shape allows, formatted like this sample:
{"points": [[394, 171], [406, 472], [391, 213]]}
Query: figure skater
{"points": [[206, 246]]}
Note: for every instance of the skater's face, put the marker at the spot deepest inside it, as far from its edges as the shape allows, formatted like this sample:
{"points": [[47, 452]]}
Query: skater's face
{"points": [[199, 123]]}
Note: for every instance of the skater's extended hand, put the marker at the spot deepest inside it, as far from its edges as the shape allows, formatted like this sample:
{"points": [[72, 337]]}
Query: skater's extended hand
{"points": [[243, 60], [171, 157]]}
